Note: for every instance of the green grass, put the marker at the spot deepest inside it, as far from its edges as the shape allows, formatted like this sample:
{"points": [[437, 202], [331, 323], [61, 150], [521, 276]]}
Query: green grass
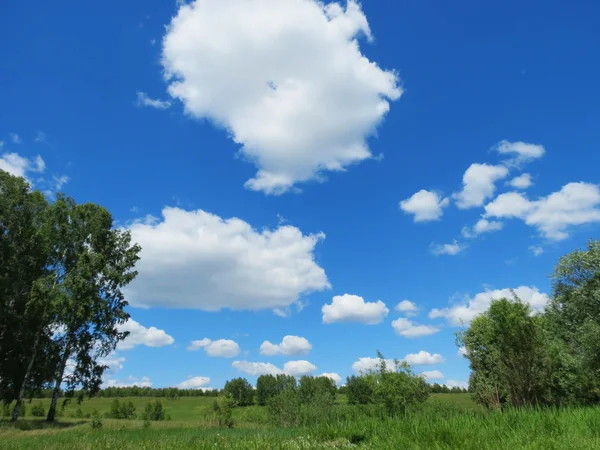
{"points": [[448, 421]]}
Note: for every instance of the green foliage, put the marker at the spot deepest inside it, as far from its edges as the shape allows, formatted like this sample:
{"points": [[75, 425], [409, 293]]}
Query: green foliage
{"points": [[240, 390], [284, 409], [266, 388], [286, 383], [223, 408], [124, 410], [359, 390], [38, 410], [96, 423], [312, 388], [155, 411]]}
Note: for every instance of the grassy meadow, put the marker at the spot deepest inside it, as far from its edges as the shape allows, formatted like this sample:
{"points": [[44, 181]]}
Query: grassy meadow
{"points": [[448, 421]]}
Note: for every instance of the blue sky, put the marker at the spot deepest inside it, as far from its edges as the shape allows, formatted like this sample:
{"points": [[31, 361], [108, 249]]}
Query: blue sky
{"points": [[298, 170]]}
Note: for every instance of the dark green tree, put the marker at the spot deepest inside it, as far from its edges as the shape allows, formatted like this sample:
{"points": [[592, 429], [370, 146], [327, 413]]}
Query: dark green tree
{"points": [[240, 390], [266, 387]]}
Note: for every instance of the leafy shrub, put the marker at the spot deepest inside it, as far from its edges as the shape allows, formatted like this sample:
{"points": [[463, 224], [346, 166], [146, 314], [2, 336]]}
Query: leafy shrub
{"points": [[123, 410], [146, 425], [155, 411], [38, 410], [5, 410], [284, 409], [223, 408], [312, 388], [359, 390], [241, 391], [96, 422], [79, 413]]}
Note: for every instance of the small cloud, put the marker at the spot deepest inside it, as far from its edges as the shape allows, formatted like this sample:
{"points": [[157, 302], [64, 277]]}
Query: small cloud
{"points": [[221, 348], [152, 42], [426, 206], [289, 346], [144, 100], [60, 181], [410, 330], [15, 138], [448, 249], [523, 181], [522, 151], [353, 308], [433, 375], [40, 137], [536, 250], [407, 307]]}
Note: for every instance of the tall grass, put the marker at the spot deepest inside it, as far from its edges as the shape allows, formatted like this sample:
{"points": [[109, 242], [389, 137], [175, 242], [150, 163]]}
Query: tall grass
{"points": [[438, 425]]}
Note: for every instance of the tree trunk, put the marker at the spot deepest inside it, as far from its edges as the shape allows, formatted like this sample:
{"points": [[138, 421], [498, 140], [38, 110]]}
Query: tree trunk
{"points": [[59, 379], [23, 388]]}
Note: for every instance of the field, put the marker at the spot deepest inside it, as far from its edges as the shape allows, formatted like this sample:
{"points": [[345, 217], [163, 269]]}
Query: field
{"points": [[448, 421]]}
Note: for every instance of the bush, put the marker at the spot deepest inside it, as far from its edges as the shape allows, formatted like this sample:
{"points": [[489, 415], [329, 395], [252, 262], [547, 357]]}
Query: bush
{"points": [[123, 410], [155, 411], [38, 410], [223, 407], [79, 414], [284, 409], [359, 390], [241, 391], [5, 410], [397, 390], [312, 388], [96, 422]]}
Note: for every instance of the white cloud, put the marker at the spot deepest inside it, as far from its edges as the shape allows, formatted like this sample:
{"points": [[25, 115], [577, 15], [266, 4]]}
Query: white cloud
{"points": [[144, 100], [256, 368], [194, 259], [131, 381], [462, 351], [364, 365], [521, 151], [285, 79], [482, 226], [221, 348], [463, 313], [423, 358], [455, 383], [194, 383], [298, 368], [433, 375], [407, 307], [290, 345], [112, 362], [575, 204], [408, 329], [536, 250], [40, 137], [352, 308], [19, 166], [523, 181], [140, 335], [425, 205], [448, 249], [333, 376], [479, 184], [15, 138], [60, 182]]}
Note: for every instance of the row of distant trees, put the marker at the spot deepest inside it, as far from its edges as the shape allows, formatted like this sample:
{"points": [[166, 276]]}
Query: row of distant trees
{"points": [[62, 270], [551, 358]]}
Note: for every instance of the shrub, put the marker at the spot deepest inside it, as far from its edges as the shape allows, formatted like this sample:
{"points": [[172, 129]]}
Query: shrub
{"points": [[38, 410], [96, 422], [79, 413], [359, 390], [223, 407], [284, 409], [5, 410], [241, 391], [397, 390], [312, 388], [123, 410], [155, 411]]}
